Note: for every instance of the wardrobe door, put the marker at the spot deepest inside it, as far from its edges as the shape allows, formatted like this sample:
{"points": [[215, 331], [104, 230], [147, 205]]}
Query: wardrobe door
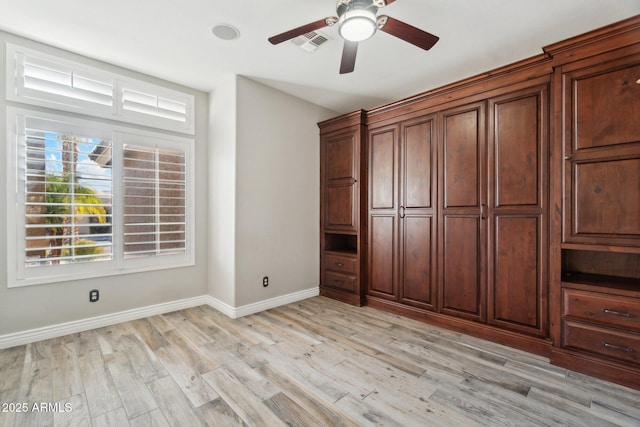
{"points": [[383, 215], [518, 170], [417, 222], [340, 163], [462, 227], [602, 154]]}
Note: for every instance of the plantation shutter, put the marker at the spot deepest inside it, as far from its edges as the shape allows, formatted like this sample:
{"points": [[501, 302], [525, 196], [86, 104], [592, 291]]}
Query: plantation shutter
{"points": [[41, 79], [64, 84], [68, 198], [155, 105], [155, 208]]}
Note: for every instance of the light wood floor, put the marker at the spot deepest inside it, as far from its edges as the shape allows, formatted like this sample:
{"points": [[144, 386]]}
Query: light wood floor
{"points": [[313, 363]]}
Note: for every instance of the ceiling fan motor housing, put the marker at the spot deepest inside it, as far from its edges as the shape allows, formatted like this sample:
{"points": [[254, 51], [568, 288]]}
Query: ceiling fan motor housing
{"points": [[345, 6]]}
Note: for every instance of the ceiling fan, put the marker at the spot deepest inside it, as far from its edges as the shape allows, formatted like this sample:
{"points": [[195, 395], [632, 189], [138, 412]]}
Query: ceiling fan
{"points": [[357, 21]]}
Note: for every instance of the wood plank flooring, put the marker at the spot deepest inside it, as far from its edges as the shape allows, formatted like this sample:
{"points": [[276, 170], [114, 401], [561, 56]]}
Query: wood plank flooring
{"points": [[313, 363]]}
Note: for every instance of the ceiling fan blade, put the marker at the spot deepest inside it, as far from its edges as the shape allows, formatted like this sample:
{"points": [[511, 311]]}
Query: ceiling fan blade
{"points": [[407, 32], [349, 52], [291, 34]]}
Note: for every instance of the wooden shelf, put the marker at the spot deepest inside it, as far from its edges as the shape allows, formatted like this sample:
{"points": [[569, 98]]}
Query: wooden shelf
{"points": [[349, 252], [344, 243], [601, 248], [610, 284]]}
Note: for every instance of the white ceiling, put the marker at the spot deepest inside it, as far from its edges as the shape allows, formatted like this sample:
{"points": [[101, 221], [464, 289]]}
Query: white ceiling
{"points": [[172, 39]]}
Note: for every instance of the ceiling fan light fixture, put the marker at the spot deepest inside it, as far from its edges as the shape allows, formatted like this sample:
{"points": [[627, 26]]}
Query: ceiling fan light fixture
{"points": [[357, 25]]}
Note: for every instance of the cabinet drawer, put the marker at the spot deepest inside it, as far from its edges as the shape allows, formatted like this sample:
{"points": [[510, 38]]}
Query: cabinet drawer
{"points": [[341, 263], [603, 341], [612, 310], [340, 281]]}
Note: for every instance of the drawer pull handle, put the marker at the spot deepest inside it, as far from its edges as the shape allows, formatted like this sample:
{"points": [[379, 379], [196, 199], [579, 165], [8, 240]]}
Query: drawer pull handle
{"points": [[339, 264], [615, 347], [616, 313], [338, 282]]}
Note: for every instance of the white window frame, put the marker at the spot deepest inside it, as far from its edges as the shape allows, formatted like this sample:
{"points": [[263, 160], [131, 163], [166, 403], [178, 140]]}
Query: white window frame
{"points": [[18, 274], [18, 92]]}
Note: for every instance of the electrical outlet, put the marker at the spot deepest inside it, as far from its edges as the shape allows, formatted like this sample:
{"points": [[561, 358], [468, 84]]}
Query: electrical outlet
{"points": [[94, 295], [265, 281]]}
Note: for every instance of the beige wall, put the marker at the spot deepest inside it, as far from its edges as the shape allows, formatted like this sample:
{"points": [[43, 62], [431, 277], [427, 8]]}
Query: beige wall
{"points": [[222, 195], [264, 181], [277, 195]]}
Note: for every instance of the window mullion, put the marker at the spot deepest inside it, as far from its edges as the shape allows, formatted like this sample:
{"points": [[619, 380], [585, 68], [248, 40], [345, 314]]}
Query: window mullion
{"points": [[71, 153], [117, 169], [157, 191]]}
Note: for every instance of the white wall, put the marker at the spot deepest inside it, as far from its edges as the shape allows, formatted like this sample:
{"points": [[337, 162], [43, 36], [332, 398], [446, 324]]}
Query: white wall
{"points": [[277, 194], [32, 307]]}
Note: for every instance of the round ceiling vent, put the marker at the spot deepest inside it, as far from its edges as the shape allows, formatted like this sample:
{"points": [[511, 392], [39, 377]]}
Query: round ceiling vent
{"points": [[225, 32]]}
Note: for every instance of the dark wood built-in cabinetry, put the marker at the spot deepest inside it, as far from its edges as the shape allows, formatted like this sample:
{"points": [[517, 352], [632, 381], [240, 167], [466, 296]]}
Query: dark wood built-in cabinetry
{"points": [[402, 207], [457, 213], [600, 317], [506, 206], [599, 135], [602, 151], [517, 217], [463, 212], [342, 242]]}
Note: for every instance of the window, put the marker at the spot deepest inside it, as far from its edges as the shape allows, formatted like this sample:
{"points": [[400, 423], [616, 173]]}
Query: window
{"points": [[94, 196], [154, 201], [67, 195], [37, 78], [94, 199]]}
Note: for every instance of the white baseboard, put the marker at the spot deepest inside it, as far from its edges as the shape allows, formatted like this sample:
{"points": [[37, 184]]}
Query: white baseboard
{"points": [[61, 329], [245, 310]]}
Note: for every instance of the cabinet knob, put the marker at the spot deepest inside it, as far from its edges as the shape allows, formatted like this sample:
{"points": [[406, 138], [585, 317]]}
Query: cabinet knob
{"points": [[567, 157], [339, 264], [401, 211]]}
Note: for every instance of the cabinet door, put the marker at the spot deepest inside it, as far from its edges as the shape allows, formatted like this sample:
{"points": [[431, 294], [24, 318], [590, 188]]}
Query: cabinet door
{"points": [[518, 170], [383, 216], [340, 171], [602, 153], [462, 227], [417, 213]]}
